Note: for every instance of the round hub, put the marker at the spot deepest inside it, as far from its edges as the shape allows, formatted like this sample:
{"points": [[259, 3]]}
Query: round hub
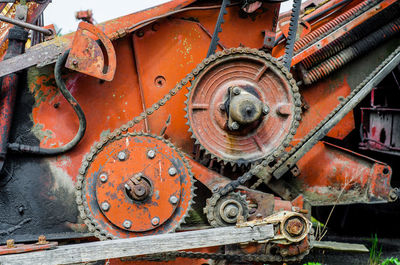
{"points": [[243, 106], [224, 211], [140, 196]]}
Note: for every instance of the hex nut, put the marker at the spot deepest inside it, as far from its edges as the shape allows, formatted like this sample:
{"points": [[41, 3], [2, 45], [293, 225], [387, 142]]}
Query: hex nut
{"points": [[151, 154], [127, 224], [155, 221], [173, 199], [105, 206], [172, 171], [122, 156], [103, 177]]}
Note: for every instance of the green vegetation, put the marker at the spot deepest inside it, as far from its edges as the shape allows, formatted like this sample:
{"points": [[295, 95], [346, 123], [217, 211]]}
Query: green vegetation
{"points": [[375, 252], [391, 261], [314, 263]]}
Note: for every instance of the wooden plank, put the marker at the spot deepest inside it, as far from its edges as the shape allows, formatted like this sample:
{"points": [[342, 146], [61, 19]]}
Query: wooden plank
{"points": [[340, 246], [102, 250]]}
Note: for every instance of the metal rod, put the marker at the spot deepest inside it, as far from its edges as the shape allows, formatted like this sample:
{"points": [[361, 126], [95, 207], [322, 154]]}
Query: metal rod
{"points": [[46, 32]]}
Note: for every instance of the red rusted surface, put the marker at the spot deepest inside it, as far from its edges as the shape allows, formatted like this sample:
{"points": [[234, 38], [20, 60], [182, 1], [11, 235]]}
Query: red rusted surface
{"points": [[85, 15], [87, 55], [319, 100], [22, 248], [334, 175], [278, 51], [108, 174], [209, 123]]}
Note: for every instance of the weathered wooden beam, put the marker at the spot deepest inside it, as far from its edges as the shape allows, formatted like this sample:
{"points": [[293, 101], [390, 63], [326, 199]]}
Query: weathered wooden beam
{"points": [[340, 246], [119, 248]]}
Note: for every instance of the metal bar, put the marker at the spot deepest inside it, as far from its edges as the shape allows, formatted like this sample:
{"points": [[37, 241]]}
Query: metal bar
{"points": [[338, 116], [291, 39], [20, 23], [146, 245]]}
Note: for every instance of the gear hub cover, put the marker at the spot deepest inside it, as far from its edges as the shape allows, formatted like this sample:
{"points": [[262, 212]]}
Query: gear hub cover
{"points": [[243, 106], [137, 185]]}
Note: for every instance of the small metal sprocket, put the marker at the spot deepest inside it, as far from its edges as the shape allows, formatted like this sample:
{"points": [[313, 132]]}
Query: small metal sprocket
{"points": [[225, 210]]}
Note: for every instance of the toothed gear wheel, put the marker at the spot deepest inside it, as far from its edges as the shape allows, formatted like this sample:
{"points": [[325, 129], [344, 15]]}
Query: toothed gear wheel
{"points": [[134, 184], [224, 211], [243, 106]]}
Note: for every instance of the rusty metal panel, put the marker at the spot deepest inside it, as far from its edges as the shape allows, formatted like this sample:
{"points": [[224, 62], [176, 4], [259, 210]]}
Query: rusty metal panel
{"points": [[333, 175]]}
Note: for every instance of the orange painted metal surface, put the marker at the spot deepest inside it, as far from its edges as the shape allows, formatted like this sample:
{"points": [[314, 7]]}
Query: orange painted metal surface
{"points": [[334, 175], [150, 62], [87, 55], [319, 100], [111, 200], [107, 105]]}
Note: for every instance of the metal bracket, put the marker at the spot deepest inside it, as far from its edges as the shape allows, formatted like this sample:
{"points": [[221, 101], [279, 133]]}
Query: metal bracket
{"points": [[90, 56]]}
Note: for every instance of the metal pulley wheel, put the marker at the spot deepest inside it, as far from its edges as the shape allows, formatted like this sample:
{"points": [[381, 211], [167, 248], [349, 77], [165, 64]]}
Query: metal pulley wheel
{"points": [[243, 106]]}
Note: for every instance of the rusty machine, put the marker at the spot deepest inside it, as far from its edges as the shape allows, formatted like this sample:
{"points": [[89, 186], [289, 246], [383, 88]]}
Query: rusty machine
{"points": [[191, 119]]}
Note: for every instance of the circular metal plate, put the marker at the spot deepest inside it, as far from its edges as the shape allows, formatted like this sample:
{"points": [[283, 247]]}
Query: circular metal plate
{"points": [[208, 120], [170, 198]]}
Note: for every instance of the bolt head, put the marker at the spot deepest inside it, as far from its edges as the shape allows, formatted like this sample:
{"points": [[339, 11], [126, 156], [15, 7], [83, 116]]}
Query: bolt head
{"points": [[236, 91], [122, 156], [172, 171], [127, 224], [139, 190], [10, 243], [231, 211], [75, 62], [234, 125], [151, 154], [265, 109], [222, 107], [105, 206], [295, 227], [155, 221], [103, 177], [173, 200]]}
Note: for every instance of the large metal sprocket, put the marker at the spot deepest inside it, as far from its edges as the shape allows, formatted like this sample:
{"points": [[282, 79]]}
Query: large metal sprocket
{"points": [[88, 180], [258, 74]]}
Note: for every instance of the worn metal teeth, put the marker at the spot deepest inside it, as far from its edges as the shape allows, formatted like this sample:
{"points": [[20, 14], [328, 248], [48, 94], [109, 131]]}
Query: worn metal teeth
{"points": [[295, 90]]}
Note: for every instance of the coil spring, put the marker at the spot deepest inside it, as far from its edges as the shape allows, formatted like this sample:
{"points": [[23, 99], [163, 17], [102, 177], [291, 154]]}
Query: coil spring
{"points": [[352, 36], [345, 56], [330, 25]]}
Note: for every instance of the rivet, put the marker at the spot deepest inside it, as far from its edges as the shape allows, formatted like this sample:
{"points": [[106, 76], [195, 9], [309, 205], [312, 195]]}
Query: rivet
{"points": [[151, 154], [155, 221], [172, 171], [122, 156], [173, 200], [103, 177], [105, 206], [127, 224]]}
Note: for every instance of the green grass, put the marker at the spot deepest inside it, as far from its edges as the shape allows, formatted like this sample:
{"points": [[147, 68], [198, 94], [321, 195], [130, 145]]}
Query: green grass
{"points": [[391, 261], [314, 263], [375, 252]]}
